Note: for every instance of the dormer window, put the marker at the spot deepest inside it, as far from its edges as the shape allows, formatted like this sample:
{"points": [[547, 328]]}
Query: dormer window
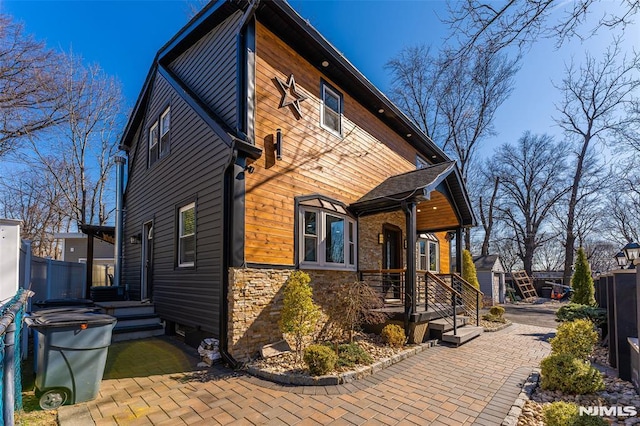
{"points": [[331, 109]]}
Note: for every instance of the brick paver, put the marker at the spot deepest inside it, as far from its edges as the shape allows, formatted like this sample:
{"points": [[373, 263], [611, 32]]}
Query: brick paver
{"points": [[472, 384]]}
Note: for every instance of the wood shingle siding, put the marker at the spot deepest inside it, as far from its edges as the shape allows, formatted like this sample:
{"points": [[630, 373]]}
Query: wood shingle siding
{"points": [[193, 170], [314, 159], [209, 69]]}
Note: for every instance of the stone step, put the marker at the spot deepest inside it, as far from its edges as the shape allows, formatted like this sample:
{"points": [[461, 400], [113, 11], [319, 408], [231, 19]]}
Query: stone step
{"points": [[463, 335], [136, 320], [136, 332], [446, 324]]}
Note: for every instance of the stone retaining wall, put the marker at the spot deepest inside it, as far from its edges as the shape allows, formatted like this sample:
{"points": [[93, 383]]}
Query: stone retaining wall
{"points": [[255, 302]]}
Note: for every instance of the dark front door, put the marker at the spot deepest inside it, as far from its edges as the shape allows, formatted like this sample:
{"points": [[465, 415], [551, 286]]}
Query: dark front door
{"points": [[392, 259], [147, 261]]}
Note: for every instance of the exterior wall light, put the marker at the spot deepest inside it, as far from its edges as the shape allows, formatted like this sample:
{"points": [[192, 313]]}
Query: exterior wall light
{"points": [[381, 238], [278, 146]]}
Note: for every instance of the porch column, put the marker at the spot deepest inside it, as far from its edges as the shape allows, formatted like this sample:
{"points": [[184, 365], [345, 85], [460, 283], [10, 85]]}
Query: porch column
{"points": [[410, 277], [459, 251], [89, 265]]}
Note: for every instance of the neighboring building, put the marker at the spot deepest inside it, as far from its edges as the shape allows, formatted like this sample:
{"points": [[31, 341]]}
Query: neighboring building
{"points": [[255, 148], [74, 248], [10, 266], [491, 276]]}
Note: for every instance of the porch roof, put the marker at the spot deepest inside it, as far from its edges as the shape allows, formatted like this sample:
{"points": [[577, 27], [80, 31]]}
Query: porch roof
{"points": [[417, 186]]}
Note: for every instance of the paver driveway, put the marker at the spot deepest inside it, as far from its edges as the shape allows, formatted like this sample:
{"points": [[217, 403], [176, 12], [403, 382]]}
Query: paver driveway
{"points": [[475, 383]]}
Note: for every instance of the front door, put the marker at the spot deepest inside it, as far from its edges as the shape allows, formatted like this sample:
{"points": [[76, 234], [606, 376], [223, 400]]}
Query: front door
{"points": [[392, 259], [147, 261]]}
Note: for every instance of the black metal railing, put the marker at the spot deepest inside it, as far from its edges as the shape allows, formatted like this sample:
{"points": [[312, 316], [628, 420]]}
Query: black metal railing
{"points": [[442, 299], [388, 283], [470, 297]]}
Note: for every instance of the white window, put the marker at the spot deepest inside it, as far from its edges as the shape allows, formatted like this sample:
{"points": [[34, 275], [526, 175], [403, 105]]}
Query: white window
{"points": [[327, 239], [331, 109], [153, 143], [428, 253], [165, 125], [421, 163], [187, 235]]}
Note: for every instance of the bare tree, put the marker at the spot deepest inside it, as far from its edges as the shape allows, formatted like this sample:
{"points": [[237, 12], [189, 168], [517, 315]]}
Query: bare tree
{"points": [[532, 181], [77, 153], [597, 97], [35, 200], [519, 23], [486, 208], [453, 98], [29, 89]]}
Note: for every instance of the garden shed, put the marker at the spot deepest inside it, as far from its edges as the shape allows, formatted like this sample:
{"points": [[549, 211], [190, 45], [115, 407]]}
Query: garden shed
{"points": [[491, 276]]}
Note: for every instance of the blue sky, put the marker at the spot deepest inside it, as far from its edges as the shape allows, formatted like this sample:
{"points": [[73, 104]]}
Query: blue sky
{"points": [[123, 37]]}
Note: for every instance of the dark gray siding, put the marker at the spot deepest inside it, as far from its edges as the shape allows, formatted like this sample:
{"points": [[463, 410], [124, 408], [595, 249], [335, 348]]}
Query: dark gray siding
{"points": [[193, 170], [209, 69]]}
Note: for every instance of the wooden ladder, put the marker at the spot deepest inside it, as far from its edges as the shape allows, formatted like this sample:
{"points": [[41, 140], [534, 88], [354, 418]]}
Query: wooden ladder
{"points": [[525, 284]]}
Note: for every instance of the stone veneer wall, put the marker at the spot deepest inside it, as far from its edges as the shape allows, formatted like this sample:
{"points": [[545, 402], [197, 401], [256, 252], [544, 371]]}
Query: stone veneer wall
{"points": [[370, 252], [255, 301]]}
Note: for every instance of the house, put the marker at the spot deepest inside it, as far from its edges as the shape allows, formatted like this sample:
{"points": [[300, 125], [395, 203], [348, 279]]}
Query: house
{"points": [[491, 276], [254, 149]]}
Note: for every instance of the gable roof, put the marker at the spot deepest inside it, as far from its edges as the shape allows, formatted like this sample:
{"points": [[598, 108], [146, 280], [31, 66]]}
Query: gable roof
{"points": [[488, 263], [417, 185], [286, 23]]}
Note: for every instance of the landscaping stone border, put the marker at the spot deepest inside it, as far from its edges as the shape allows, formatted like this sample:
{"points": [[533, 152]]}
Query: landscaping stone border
{"points": [[527, 389], [341, 378], [497, 328]]}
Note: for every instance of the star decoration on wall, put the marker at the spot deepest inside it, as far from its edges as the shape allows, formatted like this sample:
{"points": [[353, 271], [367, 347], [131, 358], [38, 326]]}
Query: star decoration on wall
{"points": [[290, 95]]}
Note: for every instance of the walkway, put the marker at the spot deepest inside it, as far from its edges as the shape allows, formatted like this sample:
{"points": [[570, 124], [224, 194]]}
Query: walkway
{"points": [[477, 383]]}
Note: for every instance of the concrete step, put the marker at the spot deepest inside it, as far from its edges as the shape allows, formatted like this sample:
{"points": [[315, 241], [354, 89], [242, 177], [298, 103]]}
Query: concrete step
{"points": [[127, 307], [136, 332], [446, 324], [137, 320], [464, 334]]}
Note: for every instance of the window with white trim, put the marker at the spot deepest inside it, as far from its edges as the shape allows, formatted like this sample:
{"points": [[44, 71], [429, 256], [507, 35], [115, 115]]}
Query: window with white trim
{"points": [[331, 109], [428, 253], [153, 143], [327, 239], [165, 125], [187, 235]]}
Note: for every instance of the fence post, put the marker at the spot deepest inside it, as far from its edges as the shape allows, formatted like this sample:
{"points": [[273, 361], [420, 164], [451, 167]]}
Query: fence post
{"points": [[477, 309], [8, 392]]}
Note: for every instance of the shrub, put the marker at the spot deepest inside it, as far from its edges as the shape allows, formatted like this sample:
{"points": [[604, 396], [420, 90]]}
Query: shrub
{"points": [[560, 413], [573, 311], [355, 303], [497, 311], [581, 282], [393, 335], [469, 273], [570, 375], [299, 314], [494, 318], [320, 359], [576, 338], [350, 354]]}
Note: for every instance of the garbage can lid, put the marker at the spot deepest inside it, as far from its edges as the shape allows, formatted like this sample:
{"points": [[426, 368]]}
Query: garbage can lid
{"points": [[69, 318]]}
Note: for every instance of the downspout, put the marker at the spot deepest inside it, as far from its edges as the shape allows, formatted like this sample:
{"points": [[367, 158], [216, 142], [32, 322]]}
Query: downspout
{"points": [[120, 162], [229, 192]]}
